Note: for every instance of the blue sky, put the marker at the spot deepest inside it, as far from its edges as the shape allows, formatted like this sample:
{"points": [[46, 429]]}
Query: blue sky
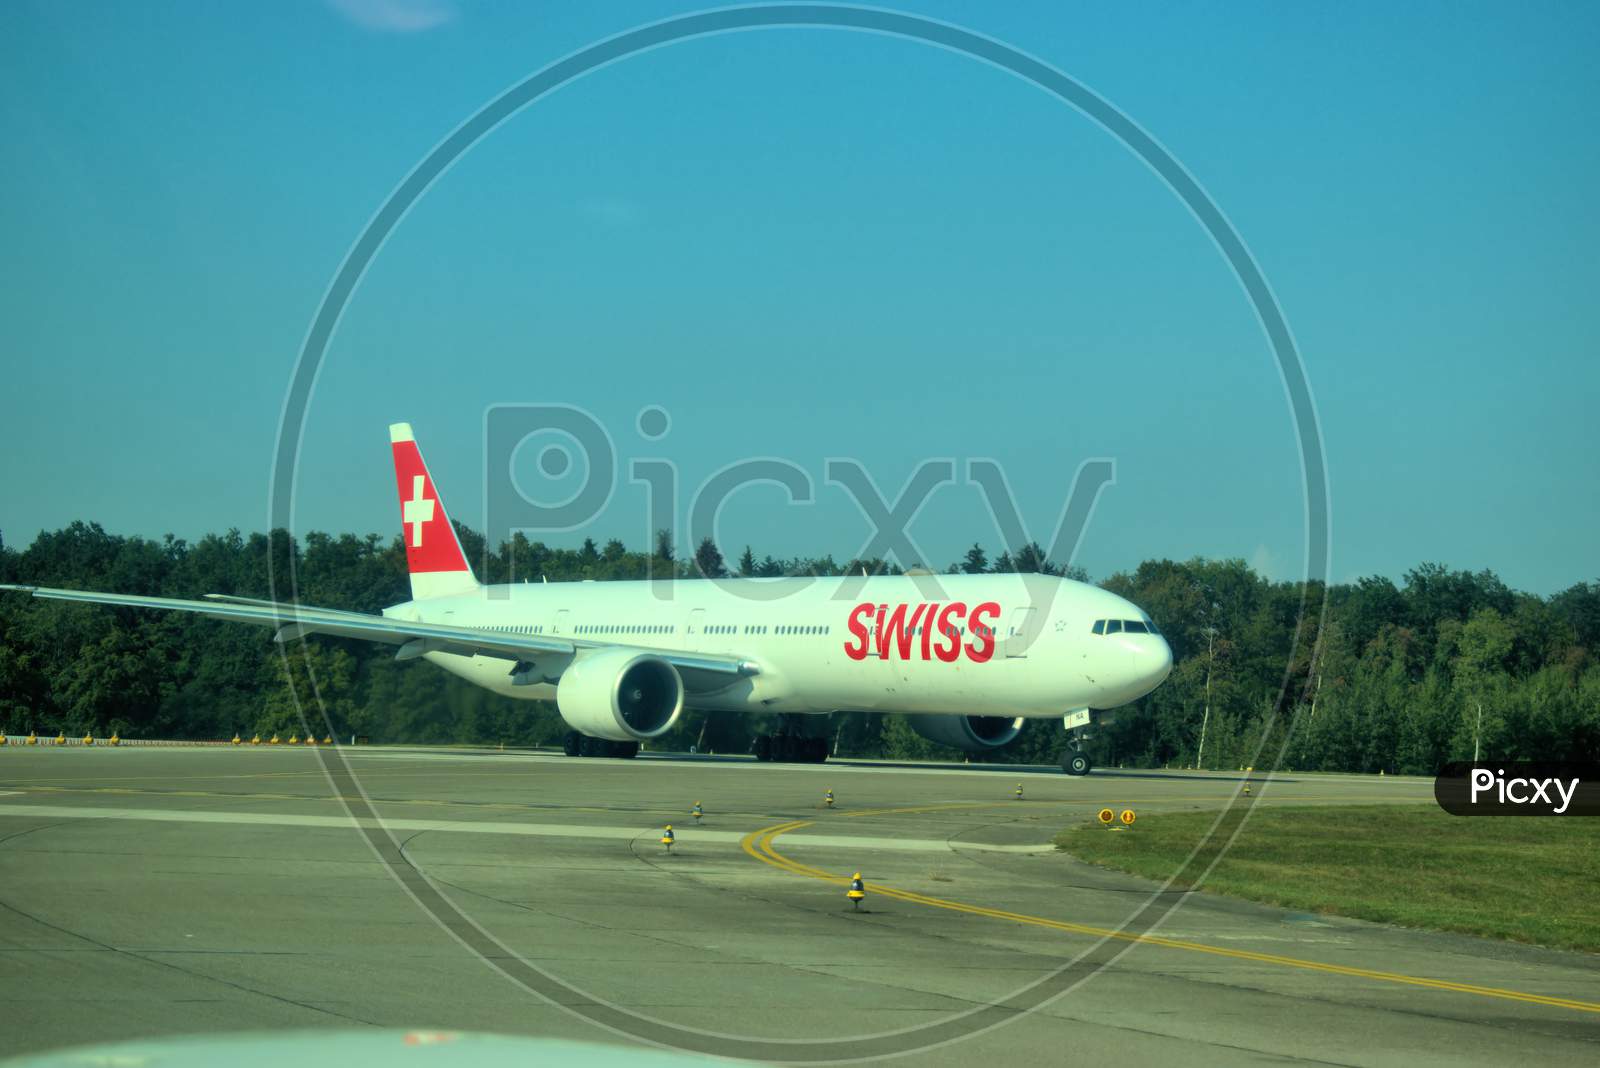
{"points": [[811, 244]]}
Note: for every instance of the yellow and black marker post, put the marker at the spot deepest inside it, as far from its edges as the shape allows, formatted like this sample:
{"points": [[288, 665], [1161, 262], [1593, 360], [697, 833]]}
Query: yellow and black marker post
{"points": [[857, 891], [827, 798], [667, 838], [697, 812]]}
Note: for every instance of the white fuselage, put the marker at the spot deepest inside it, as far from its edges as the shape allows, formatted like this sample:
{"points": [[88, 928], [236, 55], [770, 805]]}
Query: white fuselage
{"points": [[988, 645]]}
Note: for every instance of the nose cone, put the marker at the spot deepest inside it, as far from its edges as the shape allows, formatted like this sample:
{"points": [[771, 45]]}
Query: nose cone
{"points": [[1160, 657], [1147, 661]]}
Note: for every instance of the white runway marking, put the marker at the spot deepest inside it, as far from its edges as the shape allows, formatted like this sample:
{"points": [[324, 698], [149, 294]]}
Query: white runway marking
{"points": [[687, 836]]}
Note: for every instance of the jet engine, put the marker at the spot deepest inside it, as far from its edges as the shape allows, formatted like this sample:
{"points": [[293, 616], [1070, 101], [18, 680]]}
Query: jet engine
{"points": [[970, 734], [621, 695]]}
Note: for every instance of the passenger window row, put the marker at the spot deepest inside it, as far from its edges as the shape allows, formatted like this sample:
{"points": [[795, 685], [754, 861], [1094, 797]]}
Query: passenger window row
{"points": [[604, 629]]}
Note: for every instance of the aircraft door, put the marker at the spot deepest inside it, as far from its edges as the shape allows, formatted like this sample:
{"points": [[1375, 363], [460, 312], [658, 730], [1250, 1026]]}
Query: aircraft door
{"points": [[1022, 630]]}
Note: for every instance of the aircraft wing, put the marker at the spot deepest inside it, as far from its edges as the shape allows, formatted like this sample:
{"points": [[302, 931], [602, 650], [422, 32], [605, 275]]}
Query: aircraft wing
{"points": [[293, 621]]}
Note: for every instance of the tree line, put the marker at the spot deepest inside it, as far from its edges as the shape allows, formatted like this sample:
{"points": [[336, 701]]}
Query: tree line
{"points": [[1392, 677]]}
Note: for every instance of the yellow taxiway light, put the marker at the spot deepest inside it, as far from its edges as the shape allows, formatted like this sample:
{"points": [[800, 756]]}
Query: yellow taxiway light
{"points": [[115, 739], [4, 740], [273, 740], [88, 739], [827, 798], [327, 739], [294, 739], [236, 739], [32, 739], [697, 812], [667, 838], [857, 891], [255, 739], [1019, 791], [61, 738]]}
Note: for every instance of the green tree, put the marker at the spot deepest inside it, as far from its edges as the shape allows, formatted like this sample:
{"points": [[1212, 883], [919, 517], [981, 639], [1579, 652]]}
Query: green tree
{"points": [[708, 560]]}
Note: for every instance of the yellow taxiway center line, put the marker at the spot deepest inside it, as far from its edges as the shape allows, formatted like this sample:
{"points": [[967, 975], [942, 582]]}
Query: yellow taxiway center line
{"points": [[759, 844]]}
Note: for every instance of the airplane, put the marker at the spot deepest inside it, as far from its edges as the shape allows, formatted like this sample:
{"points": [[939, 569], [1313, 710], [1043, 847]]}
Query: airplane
{"points": [[968, 658]]}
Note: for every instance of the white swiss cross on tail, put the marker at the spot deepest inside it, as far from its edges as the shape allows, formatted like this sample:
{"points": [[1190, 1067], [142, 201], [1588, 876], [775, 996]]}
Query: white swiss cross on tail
{"points": [[433, 552], [417, 511]]}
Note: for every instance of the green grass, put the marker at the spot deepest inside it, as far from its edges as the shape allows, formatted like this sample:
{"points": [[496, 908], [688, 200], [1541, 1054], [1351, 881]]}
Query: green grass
{"points": [[1533, 880]]}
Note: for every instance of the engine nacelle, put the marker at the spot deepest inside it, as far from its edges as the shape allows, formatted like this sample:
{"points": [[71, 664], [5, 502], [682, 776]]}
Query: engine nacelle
{"points": [[970, 734], [621, 695]]}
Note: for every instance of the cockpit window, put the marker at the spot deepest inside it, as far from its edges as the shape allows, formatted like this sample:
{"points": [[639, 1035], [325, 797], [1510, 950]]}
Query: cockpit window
{"points": [[1124, 626]]}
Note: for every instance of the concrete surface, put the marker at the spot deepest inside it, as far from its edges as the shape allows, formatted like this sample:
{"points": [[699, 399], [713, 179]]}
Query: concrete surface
{"points": [[148, 892]]}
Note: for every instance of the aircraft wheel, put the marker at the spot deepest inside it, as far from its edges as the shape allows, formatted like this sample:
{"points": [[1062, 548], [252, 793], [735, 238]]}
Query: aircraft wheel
{"points": [[1075, 763], [572, 744]]}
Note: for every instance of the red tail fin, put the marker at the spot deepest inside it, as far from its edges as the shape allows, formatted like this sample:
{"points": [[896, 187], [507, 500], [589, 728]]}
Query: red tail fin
{"points": [[433, 552]]}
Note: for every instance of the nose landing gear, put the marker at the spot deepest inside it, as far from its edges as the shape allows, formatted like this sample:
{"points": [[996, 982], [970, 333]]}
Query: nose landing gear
{"points": [[1075, 762]]}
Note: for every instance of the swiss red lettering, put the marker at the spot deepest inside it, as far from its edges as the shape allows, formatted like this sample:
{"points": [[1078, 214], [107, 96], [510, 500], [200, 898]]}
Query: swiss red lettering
{"points": [[881, 629], [950, 616], [894, 632], [983, 648], [857, 649]]}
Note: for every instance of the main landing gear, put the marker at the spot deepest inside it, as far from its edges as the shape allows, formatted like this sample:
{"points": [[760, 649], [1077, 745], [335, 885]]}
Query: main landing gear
{"points": [[790, 745], [581, 745]]}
